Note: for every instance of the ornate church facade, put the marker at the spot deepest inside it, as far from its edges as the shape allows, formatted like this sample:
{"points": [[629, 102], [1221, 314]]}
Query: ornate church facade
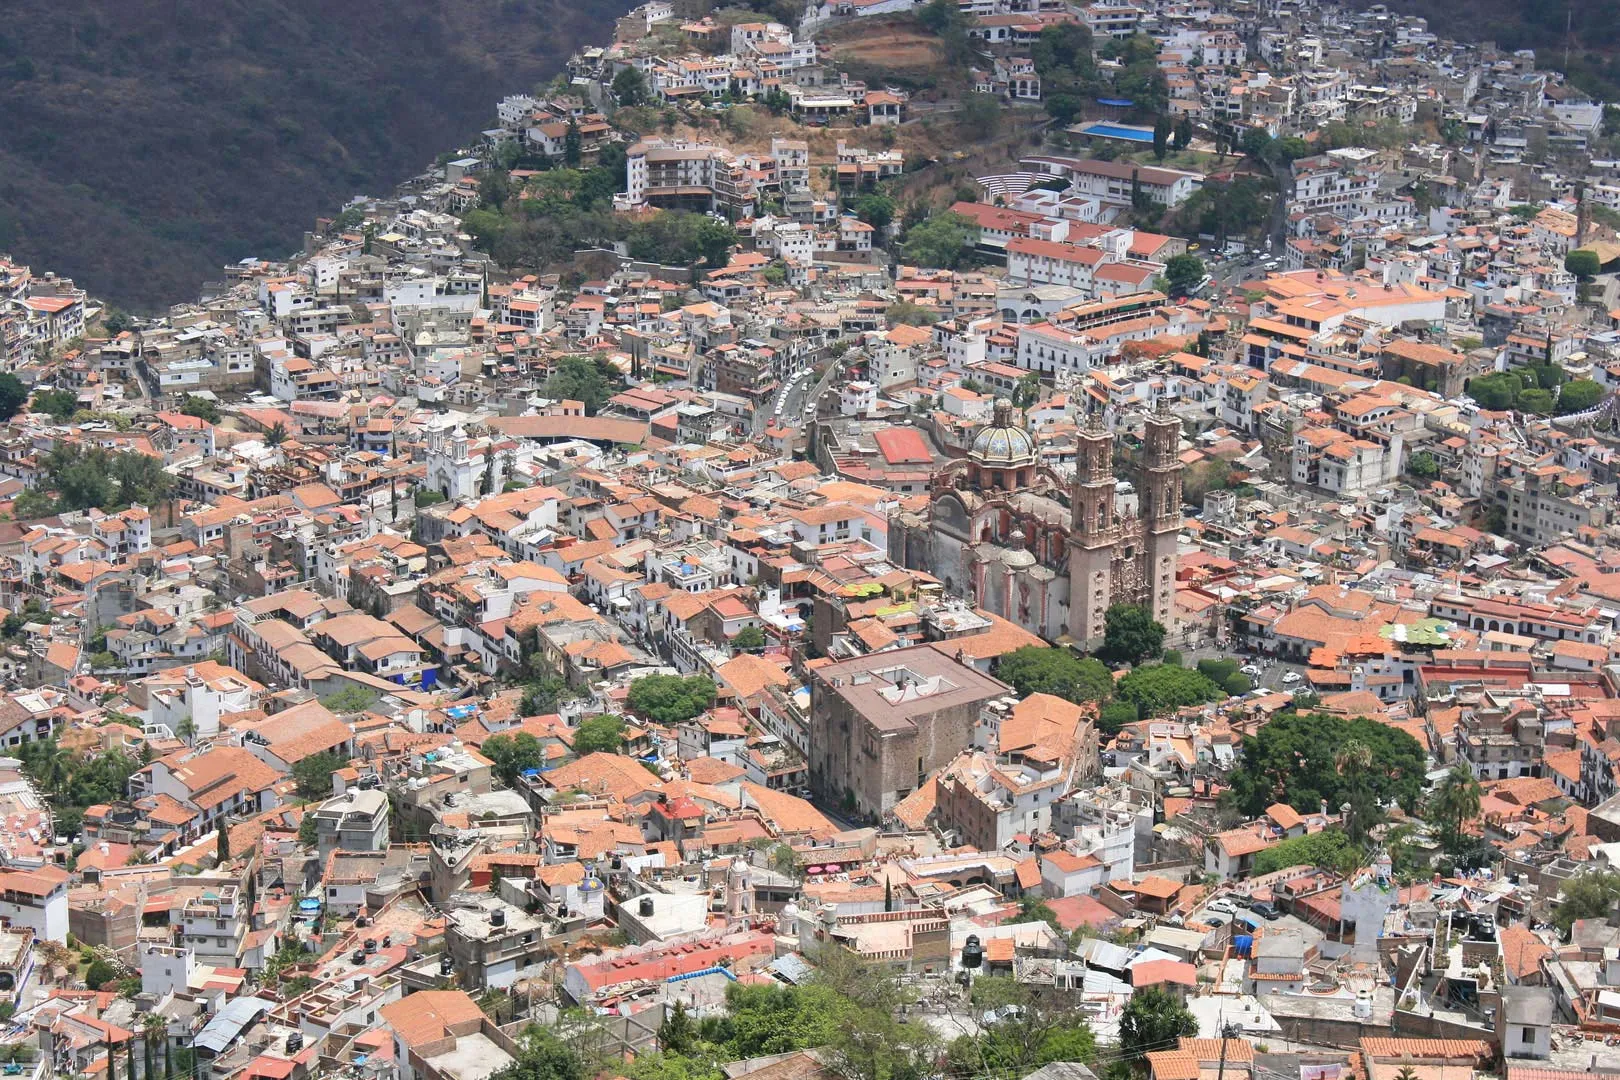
{"points": [[1045, 552]]}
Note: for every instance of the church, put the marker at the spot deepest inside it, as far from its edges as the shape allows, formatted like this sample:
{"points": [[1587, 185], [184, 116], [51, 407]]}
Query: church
{"points": [[1048, 553]]}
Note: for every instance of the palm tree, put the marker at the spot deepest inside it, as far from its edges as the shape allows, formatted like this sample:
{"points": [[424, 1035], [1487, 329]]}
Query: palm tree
{"points": [[155, 1029], [52, 766], [186, 729], [276, 435], [1353, 761], [1454, 804]]}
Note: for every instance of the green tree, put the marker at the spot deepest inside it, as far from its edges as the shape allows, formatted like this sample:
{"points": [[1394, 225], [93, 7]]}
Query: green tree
{"points": [[1160, 689], [1497, 391], [60, 404], [1183, 272], [1453, 805], [1161, 135], [200, 407], [313, 774], [1237, 684], [1063, 108], [222, 843], [512, 755], [1586, 896], [1254, 142], [670, 699], [905, 313], [677, 1033], [75, 781], [115, 321], [630, 87], [1153, 1019], [981, 115], [99, 974], [1538, 401], [1353, 760], [573, 145], [351, 699], [1038, 1025], [1325, 849], [1423, 465], [1033, 669], [876, 209], [542, 696], [1293, 759], [1583, 263], [306, 831], [665, 1065], [1578, 396], [276, 435], [943, 241], [1184, 133], [585, 379], [494, 188], [872, 1043], [749, 637], [13, 394], [764, 1020], [1115, 715], [543, 1056], [678, 238], [1131, 635], [1286, 150], [599, 734]]}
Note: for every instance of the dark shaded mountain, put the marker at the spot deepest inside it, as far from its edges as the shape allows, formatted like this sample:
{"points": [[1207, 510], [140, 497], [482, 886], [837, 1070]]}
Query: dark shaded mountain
{"points": [[1592, 34], [145, 144]]}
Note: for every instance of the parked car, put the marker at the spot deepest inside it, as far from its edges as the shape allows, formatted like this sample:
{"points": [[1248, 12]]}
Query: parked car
{"points": [[1266, 910], [1221, 905], [1291, 676]]}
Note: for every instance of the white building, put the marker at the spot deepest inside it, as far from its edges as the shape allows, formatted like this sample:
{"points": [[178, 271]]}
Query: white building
{"points": [[36, 899]]}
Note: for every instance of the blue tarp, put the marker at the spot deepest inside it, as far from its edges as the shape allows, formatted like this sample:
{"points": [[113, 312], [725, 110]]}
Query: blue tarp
{"points": [[699, 974]]}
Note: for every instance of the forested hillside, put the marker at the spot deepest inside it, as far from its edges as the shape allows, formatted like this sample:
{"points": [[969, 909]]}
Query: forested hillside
{"points": [[142, 145], [1593, 37]]}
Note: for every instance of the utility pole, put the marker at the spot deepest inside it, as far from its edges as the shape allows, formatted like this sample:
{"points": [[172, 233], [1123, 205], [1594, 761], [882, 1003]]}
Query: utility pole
{"points": [[1228, 1031]]}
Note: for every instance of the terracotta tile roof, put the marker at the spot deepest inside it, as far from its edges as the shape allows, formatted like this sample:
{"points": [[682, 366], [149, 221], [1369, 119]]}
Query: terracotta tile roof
{"points": [[1438, 1049], [1237, 1050], [1172, 1064], [1522, 951], [427, 1015]]}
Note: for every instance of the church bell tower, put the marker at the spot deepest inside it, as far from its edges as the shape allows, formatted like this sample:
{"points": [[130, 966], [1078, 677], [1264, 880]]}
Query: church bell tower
{"points": [[1161, 509], [1093, 535]]}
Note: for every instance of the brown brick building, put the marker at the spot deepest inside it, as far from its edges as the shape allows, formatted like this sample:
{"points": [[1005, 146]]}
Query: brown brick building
{"points": [[881, 724]]}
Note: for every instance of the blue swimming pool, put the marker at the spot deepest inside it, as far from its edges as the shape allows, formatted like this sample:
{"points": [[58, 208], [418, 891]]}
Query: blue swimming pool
{"points": [[1119, 131]]}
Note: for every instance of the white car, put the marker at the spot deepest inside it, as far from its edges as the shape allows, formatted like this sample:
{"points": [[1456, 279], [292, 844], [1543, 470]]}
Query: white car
{"points": [[1250, 669], [1222, 906], [1291, 676]]}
